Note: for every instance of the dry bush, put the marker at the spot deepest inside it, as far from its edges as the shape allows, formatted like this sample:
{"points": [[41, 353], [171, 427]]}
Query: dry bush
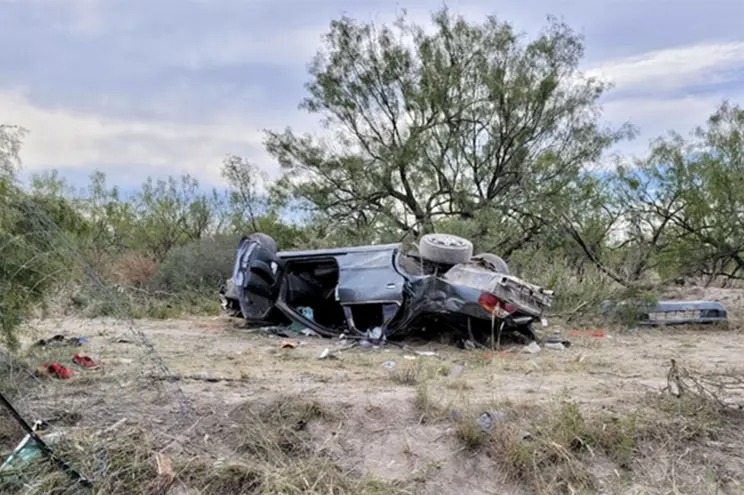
{"points": [[133, 269], [557, 447]]}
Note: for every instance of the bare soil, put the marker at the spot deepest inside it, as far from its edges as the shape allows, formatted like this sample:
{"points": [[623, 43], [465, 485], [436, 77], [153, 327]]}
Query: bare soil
{"points": [[379, 430]]}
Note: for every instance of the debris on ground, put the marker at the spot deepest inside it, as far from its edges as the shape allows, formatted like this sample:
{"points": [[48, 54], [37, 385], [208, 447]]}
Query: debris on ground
{"points": [[556, 346], [389, 364], [667, 312], [326, 354], [84, 361], [60, 340], [54, 370], [486, 420], [532, 348], [26, 451], [290, 344], [554, 340]]}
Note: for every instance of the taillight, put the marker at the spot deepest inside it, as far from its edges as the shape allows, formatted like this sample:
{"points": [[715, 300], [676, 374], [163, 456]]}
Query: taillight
{"points": [[495, 306]]}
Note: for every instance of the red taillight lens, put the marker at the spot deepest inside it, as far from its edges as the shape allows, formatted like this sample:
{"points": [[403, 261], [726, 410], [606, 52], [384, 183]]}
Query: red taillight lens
{"points": [[495, 306]]}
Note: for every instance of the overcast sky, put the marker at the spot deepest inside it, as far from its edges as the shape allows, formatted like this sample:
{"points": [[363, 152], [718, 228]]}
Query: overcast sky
{"points": [[158, 87]]}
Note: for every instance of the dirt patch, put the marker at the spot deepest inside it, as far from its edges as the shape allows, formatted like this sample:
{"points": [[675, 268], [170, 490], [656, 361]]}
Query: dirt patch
{"points": [[408, 425]]}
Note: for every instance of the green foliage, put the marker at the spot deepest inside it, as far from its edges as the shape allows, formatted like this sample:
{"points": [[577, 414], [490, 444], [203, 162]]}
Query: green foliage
{"points": [[32, 252], [470, 122], [203, 264], [460, 127]]}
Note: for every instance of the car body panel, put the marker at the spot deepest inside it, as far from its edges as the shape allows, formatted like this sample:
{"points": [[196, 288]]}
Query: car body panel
{"points": [[369, 277], [684, 312]]}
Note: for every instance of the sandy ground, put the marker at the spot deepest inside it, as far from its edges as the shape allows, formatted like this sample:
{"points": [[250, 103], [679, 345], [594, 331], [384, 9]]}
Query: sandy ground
{"points": [[614, 371]]}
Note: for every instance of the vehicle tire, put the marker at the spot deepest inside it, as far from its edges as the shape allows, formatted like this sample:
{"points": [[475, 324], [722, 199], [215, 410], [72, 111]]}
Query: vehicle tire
{"points": [[264, 241], [446, 249], [497, 261]]}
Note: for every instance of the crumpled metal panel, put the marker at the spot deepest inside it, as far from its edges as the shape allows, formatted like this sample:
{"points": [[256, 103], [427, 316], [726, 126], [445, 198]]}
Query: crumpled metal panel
{"points": [[369, 277], [527, 297]]}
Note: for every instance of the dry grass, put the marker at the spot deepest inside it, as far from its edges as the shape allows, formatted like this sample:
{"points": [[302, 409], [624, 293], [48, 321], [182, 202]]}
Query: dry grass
{"points": [[558, 448], [351, 425], [262, 448]]}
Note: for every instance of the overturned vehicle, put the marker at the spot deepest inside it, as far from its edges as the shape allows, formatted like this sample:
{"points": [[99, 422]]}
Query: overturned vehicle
{"points": [[383, 291]]}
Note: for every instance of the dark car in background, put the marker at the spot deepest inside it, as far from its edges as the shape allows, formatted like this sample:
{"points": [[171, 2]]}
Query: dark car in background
{"points": [[382, 290]]}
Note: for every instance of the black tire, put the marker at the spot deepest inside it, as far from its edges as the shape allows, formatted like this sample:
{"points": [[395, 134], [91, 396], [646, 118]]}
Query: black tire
{"points": [[265, 241], [446, 249], [496, 261]]}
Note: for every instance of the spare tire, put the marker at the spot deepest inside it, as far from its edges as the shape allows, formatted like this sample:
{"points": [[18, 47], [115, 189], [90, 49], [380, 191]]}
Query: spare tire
{"points": [[264, 241], [497, 261], [445, 248]]}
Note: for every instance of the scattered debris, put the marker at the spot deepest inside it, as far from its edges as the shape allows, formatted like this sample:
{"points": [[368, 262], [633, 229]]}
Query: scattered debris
{"points": [[25, 451], [556, 346], [389, 364], [409, 357], [60, 340], [326, 352], [39, 444], [532, 348], [55, 370], [84, 361], [426, 353], [486, 420], [554, 340], [309, 333], [289, 344], [668, 312]]}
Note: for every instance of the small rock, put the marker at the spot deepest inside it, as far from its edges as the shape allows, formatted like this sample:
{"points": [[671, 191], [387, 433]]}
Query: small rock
{"points": [[324, 354]]}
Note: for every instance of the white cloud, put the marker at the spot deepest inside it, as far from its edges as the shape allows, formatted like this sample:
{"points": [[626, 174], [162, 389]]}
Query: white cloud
{"points": [[656, 116], [673, 68], [68, 139], [293, 47]]}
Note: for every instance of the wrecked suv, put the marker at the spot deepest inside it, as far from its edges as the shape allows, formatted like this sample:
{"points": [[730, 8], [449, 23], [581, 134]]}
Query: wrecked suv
{"points": [[383, 290]]}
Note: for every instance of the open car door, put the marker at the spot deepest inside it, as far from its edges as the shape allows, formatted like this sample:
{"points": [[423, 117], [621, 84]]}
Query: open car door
{"points": [[257, 276]]}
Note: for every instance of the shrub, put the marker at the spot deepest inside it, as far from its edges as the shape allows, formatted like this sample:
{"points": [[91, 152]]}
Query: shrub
{"points": [[199, 265]]}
